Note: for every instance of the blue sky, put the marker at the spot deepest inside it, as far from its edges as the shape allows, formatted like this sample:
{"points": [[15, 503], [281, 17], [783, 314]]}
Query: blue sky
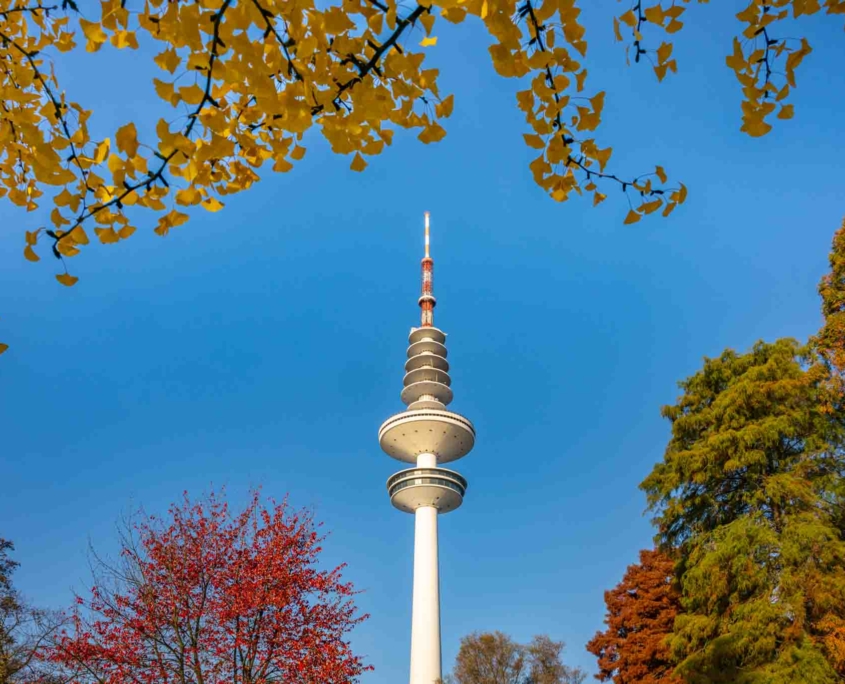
{"points": [[263, 345]]}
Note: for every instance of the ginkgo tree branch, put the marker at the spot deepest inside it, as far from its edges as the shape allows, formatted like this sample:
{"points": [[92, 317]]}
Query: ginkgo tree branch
{"points": [[268, 16], [380, 5], [372, 64], [158, 174], [7, 120], [218, 148], [573, 161], [57, 104], [538, 36], [34, 9]]}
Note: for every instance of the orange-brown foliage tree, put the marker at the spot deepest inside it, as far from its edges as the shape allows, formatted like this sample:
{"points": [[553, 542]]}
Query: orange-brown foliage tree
{"points": [[641, 611]]}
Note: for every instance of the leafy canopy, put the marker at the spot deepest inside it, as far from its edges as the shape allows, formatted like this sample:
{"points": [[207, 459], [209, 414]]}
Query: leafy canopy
{"points": [[202, 596], [245, 80], [641, 612], [829, 343], [749, 493], [495, 658]]}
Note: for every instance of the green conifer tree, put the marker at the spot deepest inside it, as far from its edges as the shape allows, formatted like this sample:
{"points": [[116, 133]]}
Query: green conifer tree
{"points": [[748, 494]]}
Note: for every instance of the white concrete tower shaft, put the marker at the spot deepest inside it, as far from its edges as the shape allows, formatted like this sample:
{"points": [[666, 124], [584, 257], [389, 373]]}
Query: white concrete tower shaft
{"points": [[425, 617], [425, 435]]}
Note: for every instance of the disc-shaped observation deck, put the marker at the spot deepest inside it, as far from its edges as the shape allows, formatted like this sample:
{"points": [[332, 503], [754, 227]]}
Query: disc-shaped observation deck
{"points": [[438, 487], [408, 434]]}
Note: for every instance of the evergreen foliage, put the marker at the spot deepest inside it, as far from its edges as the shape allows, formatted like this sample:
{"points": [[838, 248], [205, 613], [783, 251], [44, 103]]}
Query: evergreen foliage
{"points": [[749, 493], [830, 342]]}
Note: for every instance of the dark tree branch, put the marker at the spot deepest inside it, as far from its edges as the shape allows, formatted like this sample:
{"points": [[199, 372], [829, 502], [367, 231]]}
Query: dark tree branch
{"points": [[158, 174]]}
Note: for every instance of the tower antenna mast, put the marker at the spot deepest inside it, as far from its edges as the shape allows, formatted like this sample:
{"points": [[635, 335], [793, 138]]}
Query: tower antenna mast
{"points": [[427, 300]]}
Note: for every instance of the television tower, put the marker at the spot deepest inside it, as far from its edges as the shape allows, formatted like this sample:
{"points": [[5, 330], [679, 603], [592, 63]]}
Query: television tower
{"points": [[426, 435]]}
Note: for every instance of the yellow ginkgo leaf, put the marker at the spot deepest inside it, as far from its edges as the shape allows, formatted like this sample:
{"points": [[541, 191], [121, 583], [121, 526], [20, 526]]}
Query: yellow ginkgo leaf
{"points": [[629, 18], [603, 156], [358, 163], [94, 33], [432, 133], [78, 236], [178, 218], [107, 236], [661, 174], [736, 61], [66, 248], [786, 112], [444, 108], [102, 151], [297, 153], [580, 77], [428, 41], [427, 20], [67, 279], [192, 94], [188, 196], [655, 14], [651, 207], [756, 127], [124, 39], [166, 91], [616, 32], [533, 140], [3, 347], [126, 139], [632, 217], [598, 198], [376, 22], [57, 218], [29, 254], [454, 14], [168, 60], [211, 204], [337, 21]]}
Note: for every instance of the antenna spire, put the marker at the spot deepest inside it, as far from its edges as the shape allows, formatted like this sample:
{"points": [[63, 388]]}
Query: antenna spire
{"points": [[427, 300]]}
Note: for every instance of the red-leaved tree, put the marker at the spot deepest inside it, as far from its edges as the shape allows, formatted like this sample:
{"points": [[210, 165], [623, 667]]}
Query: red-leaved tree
{"points": [[641, 612], [205, 597]]}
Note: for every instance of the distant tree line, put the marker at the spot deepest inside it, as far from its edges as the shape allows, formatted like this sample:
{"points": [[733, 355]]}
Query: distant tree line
{"points": [[495, 658], [747, 583]]}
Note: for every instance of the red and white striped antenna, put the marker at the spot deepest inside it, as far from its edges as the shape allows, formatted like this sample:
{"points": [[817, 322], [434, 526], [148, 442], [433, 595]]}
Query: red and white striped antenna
{"points": [[427, 301]]}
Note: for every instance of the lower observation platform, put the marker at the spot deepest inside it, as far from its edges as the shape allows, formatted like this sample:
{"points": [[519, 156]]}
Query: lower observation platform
{"points": [[408, 434], [410, 489]]}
